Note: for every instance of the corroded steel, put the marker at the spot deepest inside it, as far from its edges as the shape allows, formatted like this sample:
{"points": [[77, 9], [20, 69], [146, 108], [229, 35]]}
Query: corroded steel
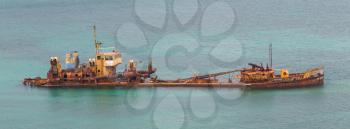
{"points": [[295, 80], [100, 71]]}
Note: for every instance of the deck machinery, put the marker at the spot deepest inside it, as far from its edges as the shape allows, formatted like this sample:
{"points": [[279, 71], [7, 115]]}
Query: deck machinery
{"points": [[101, 71], [102, 68]]}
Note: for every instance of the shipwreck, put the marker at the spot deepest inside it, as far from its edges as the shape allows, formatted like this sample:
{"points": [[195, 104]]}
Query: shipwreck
{"points": [[101, 71]]}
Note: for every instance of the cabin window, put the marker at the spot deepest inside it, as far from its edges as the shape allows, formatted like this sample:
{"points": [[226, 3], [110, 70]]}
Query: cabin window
{"points": [[98, 57], [109, 57]]}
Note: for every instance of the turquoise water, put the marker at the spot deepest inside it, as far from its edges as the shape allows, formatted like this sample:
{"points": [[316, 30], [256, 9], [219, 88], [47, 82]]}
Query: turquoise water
{"points": [[304, 33]]}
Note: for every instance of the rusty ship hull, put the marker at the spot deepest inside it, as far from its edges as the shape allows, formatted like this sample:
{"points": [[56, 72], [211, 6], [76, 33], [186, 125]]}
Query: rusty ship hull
{"points": [[268, 85], [310, 82], [126, 84], [274, 84]]}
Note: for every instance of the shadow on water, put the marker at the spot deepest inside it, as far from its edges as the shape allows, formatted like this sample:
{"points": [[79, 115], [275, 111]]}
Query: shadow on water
{"points": [[141, 103], [84, 100], [141, 100]]}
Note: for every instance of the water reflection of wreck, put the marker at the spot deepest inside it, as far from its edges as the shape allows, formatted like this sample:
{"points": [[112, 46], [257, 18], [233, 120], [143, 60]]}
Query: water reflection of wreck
{"points": [[100, 71]]}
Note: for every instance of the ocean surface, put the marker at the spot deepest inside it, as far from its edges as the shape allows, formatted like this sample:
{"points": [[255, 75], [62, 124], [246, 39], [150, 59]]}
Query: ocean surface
{"points": [[304, 34]]}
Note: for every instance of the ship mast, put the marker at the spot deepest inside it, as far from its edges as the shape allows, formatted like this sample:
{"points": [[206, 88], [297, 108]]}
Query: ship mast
{"points": [[94, 33], [97, 44], [94, 29], [270, 55]]}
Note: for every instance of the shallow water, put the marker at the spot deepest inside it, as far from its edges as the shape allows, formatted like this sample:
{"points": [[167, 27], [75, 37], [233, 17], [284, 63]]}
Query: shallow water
{"points": [[304, 34]]}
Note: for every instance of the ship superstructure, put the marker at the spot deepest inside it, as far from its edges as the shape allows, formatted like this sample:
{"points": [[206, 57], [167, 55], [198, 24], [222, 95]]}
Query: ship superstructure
{"points": [[100, 68]]}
